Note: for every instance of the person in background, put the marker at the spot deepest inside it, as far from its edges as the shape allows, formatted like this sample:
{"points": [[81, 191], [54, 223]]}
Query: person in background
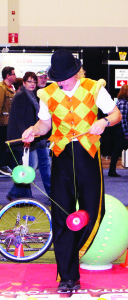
{"points": [[18, 84], [42, 77], [70, 107], [7, 92], [121, 141], [23, 113], [44, 161]]}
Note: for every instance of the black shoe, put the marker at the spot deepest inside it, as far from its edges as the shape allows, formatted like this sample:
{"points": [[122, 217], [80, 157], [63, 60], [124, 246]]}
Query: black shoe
{"points": [[113, 174], [3, 176], [68, 286], [5, 170]]}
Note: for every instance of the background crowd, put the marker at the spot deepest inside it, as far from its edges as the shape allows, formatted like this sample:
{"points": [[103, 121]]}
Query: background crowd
{"points": [[15, 117]]}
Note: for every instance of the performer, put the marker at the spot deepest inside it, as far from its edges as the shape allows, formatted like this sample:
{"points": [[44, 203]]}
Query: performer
{"points": [[70, 106]]}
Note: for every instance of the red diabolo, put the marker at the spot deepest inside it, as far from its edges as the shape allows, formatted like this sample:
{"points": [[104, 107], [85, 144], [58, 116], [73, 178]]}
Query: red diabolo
{"points": [[77, 220]]}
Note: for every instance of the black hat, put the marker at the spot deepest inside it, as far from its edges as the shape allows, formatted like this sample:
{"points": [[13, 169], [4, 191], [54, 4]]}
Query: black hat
{"points": [[63, 65]]}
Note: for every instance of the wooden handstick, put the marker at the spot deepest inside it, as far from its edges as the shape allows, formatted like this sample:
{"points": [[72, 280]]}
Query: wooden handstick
{"points": [[18, 140], [76, 136]]}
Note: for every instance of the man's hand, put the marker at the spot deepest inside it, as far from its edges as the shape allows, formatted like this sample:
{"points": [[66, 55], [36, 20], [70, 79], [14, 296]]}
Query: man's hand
{"points": [[28, 135], [98, 127], [42, 127], [113, 117]]}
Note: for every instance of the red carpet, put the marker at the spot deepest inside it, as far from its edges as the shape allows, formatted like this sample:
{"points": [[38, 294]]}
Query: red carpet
{"points": [[39, 279]]}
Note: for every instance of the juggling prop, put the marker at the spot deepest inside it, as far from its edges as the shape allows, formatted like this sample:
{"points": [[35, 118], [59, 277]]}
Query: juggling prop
{"points": [[77, 220], [111, 240], [23, 174]]}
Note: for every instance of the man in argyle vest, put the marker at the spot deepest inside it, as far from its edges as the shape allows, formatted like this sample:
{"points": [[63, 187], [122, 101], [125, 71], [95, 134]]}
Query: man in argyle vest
{"points": [[70, 107]]}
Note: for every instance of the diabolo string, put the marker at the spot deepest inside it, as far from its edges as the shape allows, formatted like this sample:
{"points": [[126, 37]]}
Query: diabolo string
{"points": [[36, 185]]}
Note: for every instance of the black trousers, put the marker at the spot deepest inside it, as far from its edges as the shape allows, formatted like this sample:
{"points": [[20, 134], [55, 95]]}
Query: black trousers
{"points": [[5, 156], [86, 177]]}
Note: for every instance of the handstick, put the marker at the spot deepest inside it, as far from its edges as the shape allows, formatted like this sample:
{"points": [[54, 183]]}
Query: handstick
{"points": [[18, 140], [78, 135]]}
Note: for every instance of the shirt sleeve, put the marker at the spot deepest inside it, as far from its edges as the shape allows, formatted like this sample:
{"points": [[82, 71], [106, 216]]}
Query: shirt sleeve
{"points": [[43, 111], [104, 101]]}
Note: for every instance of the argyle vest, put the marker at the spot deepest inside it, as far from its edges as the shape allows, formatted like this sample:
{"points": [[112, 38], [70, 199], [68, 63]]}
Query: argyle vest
{"points": [[74, 115]]}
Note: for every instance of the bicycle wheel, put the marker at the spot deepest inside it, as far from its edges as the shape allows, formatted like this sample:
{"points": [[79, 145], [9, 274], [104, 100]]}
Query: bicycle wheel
{"points": [[25, 230]]}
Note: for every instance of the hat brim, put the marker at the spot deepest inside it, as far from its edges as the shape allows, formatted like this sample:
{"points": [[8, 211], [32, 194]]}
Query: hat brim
{"points": [[41, 75], [67, 74]]}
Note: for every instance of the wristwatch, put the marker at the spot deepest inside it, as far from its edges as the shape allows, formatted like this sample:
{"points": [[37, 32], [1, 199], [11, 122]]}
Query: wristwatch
{"points": [[108, 123]]}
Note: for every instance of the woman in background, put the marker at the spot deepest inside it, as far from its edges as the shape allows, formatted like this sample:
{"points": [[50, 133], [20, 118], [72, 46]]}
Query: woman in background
{"points": [[23, 113]]}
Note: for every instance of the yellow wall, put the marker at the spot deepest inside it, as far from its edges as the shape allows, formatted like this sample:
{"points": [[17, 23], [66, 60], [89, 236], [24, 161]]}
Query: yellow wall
{"points": [[68, 22]]}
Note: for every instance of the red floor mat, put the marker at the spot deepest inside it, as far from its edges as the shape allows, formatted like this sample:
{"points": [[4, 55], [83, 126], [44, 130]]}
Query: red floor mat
{"points": [[35, 279]]}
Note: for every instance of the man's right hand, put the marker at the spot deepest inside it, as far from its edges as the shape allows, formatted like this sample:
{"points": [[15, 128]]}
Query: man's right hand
{"points": [[28, 135]]}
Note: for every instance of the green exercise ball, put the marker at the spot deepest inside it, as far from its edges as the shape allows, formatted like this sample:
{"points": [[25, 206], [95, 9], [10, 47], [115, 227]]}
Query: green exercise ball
{"points": [[18, 174], [111, 240]]}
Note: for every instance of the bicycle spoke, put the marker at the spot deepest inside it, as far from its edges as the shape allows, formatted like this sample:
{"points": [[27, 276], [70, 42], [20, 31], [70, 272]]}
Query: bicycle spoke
{"points": [[25, 222]]}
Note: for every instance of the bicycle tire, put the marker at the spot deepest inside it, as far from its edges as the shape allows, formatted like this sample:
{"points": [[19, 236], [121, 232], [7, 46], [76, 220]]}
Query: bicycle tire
{"points": [[25, 222]]}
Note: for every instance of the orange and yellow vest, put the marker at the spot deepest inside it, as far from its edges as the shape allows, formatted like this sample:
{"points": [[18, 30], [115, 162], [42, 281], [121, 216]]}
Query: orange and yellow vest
{"points": [[74, 115]]}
